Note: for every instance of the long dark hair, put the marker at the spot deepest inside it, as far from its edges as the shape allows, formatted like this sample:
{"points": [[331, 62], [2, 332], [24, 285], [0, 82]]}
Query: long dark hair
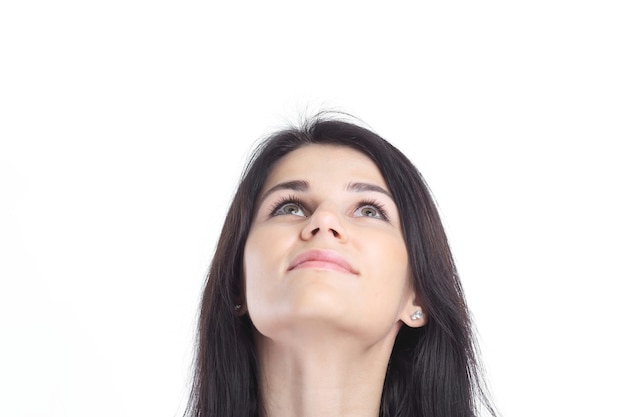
{"points": [[433, 370]]}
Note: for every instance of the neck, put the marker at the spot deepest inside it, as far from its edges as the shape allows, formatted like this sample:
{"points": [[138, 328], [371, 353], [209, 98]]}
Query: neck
{"points": [[321, 377]]}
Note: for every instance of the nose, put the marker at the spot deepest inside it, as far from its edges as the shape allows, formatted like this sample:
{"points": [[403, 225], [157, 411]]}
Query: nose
{"points": [[324, 223]]}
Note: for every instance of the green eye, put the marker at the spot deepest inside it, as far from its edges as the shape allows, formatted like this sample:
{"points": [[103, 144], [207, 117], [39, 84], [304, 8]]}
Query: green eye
{"points": [[371, 209], [289, 208], [369, 212]]}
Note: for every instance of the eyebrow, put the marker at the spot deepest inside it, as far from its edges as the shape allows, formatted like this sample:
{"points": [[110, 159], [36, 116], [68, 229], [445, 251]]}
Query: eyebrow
{"points": [[297, 185], [363, 187], [300, 185]]}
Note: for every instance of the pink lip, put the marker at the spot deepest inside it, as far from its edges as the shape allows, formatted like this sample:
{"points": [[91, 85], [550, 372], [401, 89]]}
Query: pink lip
{"points": [[321, 259]]}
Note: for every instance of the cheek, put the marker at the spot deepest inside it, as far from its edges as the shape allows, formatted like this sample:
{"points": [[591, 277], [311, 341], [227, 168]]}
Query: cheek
{"points": [[254, 262], [389, 267], [388, 255], [255, 273], [264, 256]]}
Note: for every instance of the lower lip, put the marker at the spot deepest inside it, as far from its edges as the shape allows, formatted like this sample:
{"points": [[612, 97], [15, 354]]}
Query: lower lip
{"points": [[329, 266]]}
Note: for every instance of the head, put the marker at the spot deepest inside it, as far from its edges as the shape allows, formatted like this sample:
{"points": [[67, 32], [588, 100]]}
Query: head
{"points": [[325, 258], [432, 369]]}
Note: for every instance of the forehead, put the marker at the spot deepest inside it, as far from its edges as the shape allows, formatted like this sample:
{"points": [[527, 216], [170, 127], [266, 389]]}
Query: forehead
{"points": [[325, 163]]}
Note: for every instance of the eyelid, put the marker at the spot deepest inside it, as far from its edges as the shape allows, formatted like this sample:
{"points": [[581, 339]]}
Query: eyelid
{"points": [[289, 199], [293, 199], [375, 204]]}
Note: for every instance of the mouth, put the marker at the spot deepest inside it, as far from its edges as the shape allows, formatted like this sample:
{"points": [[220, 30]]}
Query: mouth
{"points": [[322, 259]]}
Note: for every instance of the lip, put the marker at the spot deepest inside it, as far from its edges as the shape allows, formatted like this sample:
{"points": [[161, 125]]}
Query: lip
{"points": [[321, 259]]}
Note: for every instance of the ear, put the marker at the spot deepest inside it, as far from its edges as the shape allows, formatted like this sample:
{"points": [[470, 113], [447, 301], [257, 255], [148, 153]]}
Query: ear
{"points": [[413, 315], [241, 309]]}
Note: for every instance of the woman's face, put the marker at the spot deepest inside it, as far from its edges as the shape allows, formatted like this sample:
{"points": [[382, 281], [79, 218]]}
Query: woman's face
{"points": [[326, 248]]}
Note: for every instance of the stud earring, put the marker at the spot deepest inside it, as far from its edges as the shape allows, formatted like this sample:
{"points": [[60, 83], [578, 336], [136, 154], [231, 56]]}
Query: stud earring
{"points": [[417, 315], [237, 307]]}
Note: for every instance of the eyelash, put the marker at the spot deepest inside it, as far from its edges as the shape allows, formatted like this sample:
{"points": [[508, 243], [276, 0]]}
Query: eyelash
{"points": [[378, 206], [286, 200], [292, 199]]}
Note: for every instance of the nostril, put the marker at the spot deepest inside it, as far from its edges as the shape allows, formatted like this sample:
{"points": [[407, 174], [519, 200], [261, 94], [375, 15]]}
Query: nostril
{"points": [[335, 234], [314, 231]]}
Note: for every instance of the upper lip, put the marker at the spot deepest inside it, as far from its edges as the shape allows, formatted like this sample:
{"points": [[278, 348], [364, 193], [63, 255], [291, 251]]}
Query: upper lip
{"points": [[323, 255]]}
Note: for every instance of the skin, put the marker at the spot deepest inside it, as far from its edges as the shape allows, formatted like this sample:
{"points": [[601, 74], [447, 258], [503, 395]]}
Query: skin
{"points": [[324, 333]]}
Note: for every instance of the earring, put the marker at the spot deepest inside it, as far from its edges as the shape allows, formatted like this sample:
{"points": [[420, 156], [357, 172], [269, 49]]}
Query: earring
{"points": [[417, 315], [237, 307]]}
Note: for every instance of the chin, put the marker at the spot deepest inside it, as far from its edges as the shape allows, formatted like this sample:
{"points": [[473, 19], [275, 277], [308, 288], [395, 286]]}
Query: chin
{"points": [[318, 299], [303, 311]]}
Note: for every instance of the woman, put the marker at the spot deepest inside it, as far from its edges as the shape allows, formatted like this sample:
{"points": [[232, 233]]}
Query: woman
{"points": [[332, 290]]}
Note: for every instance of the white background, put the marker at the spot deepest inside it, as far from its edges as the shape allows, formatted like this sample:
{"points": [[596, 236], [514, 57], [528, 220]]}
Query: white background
{"points": [[124, 126]]}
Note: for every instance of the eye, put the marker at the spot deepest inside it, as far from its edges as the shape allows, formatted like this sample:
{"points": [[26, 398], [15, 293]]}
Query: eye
{"points": [[368, 211], [371, 209], [288, 206]]}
